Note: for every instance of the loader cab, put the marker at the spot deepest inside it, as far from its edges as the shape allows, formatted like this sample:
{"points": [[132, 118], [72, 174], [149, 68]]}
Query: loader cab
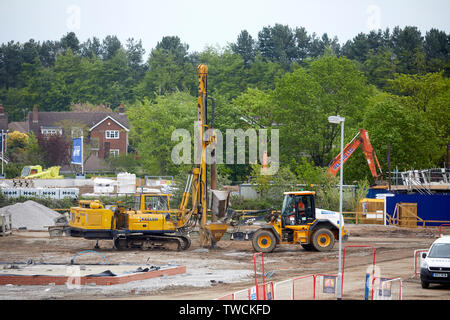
{"points": [[29, 170], [298, 208]]}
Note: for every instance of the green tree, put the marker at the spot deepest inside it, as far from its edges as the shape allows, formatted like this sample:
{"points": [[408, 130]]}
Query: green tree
{"points": [[411, 136], [169, 70], [124, 163], [255, 109], [263, 74], [437, 51], [172, 45], [91, 48], [408, 47], [10, 64], [379, 67], [273, 187], [70, 41], [245, 46], [110, 46], [23, 149], [306, 97], [278, 44], [152, 125], [135, 54], [429, 96], [303, 43], [47, 53], [226, 72]]}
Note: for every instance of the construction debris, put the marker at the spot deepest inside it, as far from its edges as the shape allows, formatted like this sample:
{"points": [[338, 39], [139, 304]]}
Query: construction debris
{"points": [[30, 215]]}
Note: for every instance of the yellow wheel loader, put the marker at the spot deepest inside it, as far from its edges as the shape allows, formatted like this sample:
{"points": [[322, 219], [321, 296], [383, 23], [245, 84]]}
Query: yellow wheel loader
{"points": [[29, 173], [36, 172], [299, 223]]}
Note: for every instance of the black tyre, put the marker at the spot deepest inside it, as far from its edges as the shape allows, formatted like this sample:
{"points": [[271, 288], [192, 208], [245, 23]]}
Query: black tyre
{"points": [[323, 239], [120, 244], [184, 243], [264, 241], [425, 284]]}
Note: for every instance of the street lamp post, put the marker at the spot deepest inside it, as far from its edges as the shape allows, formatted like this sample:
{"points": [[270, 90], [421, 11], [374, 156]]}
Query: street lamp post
{"points": [[341, 120]]}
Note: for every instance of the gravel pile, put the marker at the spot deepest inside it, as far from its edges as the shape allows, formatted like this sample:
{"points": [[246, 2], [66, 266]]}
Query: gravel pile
{"points": [[30, 215]]}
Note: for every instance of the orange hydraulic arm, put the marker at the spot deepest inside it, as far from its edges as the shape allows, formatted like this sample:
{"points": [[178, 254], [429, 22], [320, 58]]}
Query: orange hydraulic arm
{"points": [[362, 138]]}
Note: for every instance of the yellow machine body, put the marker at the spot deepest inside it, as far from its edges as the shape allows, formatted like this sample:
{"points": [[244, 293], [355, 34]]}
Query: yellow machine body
{"points": [[36, 172], [151, 223], [91, 220], [300, 223]]}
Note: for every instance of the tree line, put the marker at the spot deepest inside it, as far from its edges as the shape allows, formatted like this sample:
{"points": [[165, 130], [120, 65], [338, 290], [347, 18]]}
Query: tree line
{"points": [[394, 83]]}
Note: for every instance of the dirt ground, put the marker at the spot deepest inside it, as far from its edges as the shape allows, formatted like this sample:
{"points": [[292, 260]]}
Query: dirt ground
{"points": [[212, 273]]}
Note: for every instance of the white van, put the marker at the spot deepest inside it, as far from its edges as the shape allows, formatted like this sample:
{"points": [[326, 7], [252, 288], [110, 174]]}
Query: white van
{"points": [[435, 266]]}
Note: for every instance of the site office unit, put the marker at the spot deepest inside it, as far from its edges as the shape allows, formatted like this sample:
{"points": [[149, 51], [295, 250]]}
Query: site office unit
{"points": [[112, 137]]}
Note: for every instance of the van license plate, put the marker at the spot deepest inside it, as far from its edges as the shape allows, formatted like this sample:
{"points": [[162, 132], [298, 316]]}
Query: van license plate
{"points": [[440, 275]]}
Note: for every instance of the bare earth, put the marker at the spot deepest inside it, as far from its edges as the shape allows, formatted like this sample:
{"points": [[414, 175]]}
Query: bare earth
{"points": [[212, 273]]}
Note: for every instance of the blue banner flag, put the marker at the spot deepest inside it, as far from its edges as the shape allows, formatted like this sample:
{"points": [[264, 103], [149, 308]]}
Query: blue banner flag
{"points": [[77, 151]]}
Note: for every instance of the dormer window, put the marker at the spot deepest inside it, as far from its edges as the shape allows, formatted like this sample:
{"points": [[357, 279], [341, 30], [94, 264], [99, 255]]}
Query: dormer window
{"points": [[48, 131]]}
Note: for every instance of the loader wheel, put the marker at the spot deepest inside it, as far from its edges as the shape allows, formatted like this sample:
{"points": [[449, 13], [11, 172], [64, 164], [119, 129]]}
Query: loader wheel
{"points": [[323, 240], [264, 241]]}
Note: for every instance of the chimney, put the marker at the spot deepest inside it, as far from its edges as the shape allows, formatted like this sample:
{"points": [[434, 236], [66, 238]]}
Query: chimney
{"points": [[121, 109], [35, 115], [2, 111]]}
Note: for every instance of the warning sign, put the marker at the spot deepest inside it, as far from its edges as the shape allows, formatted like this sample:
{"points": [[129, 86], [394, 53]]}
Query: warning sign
{"points": [[329, 284]]}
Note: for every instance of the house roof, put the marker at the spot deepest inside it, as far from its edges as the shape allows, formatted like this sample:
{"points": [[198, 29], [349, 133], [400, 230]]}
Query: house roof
{"points": [[90, 119], [3, 118], [18, 126], [109, 117]]}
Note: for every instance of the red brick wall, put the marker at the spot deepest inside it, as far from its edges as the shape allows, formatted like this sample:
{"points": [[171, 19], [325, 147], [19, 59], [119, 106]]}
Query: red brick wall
{"points": [[99, 132], [28, 280]]}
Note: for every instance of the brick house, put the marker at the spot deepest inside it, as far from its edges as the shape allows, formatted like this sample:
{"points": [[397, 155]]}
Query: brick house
{"points": [[107, 132]]}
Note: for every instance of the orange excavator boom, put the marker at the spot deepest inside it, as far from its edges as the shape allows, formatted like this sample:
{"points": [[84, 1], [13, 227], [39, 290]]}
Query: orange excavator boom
{"points": [[361, 139]]}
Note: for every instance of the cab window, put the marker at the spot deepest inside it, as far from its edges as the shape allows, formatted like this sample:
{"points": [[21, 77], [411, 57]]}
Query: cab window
{"points": [[298, 209], [25, 171], [137, 203], [288, 206], [304, 208], [156, 203]]}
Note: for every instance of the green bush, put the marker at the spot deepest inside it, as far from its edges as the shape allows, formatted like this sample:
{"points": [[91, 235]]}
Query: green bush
{"points": [[239, 203], [49, 203]]}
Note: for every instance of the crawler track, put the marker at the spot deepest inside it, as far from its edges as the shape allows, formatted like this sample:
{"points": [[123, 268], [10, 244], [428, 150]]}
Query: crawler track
{"points": [[152, 241]]}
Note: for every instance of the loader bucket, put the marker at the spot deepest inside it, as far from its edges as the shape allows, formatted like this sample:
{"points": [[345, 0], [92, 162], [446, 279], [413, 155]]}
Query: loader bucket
{"points": [[216, 230]]}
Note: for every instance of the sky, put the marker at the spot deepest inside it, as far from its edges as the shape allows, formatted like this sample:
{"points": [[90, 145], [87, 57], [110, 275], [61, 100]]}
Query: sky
{"points": [[201, 23]]}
